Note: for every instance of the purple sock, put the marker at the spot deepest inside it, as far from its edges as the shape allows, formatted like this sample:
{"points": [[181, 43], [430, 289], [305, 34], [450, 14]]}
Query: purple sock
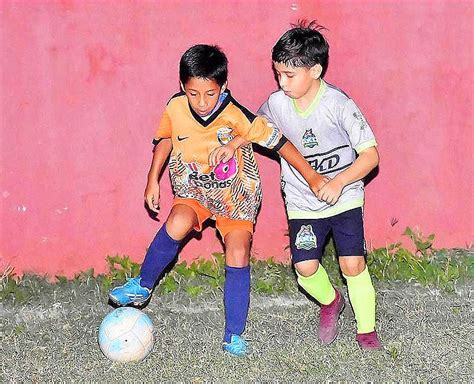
{"points": [[162, 251], [236, 300]]}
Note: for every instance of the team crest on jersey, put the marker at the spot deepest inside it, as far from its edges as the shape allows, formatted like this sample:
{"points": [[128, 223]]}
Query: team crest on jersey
{"points": [[305, 238], [224, 135], [309, 139]]}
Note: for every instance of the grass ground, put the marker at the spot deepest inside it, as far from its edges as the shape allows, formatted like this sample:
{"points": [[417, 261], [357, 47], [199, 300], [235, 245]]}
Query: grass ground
{"points": [[427, 335], [48, 332]]}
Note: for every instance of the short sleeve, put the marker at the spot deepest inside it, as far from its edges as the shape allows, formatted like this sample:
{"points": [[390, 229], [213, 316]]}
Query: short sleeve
{"points": [[164, 128], [357, 127], [265, 111], [262, 132]]}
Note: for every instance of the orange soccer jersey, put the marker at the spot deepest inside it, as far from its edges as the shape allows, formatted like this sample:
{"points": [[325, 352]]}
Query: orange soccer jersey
{"points": [[232, 189]]}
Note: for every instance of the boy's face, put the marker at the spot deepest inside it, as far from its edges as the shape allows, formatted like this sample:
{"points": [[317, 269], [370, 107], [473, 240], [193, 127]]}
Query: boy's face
{"points": [[203, 94], [296, 82]]}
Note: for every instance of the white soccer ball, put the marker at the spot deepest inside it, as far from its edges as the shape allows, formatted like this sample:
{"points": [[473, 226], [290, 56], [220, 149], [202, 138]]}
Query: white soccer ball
{"points": [[126, 334]]}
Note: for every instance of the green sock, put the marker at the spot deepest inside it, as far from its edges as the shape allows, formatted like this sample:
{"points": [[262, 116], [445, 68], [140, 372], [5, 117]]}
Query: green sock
{"points": [[318, 286], [362, 297]]}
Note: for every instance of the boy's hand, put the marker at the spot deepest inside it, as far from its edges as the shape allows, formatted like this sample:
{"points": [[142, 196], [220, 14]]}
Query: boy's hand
{"points": [[316, 188], [221, 154], [152, 196], [331, 191]]}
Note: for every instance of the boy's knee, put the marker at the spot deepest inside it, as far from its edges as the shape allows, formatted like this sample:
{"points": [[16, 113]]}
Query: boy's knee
{"points": [[237, 256], [307, 267], [237, 248], [180, 221], [352, 265]]}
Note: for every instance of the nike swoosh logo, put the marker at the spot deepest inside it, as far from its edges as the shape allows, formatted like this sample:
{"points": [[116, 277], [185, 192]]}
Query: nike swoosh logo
{"points": [[182, 138]]}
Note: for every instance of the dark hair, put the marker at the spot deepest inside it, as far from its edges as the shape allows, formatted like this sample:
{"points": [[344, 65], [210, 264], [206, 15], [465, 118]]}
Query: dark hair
{"points": [[302, 46], [203, 61]]}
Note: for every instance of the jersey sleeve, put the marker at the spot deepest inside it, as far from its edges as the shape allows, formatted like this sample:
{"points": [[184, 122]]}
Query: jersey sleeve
{"points": [[357, 127], [164, 128], [266, 112], [262, 132]]}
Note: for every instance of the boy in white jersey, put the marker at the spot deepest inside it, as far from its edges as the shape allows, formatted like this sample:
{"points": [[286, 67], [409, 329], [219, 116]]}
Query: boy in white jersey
{"points": [[330, 131]]}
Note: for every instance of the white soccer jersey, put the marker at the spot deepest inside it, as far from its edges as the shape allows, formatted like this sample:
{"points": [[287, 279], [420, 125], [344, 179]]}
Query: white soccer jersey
{"points": [[328, 134]]}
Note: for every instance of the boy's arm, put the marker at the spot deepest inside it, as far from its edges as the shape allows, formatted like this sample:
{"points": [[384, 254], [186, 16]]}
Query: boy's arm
{"points": [[225, 152], [289, 152], [367, 160], [362, 139], [152, 191], [261, 131]]}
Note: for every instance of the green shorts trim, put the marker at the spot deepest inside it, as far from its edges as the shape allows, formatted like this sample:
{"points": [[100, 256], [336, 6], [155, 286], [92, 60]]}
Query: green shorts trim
{"points": [[331, 211]]}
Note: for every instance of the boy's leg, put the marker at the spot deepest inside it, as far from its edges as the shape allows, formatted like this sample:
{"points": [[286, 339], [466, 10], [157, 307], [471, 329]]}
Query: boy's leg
{"points": [[361, 291], [164, 247], [348, 231], [362, 298], [307, 239], [312, 277], [237, 285], [162, 251]]}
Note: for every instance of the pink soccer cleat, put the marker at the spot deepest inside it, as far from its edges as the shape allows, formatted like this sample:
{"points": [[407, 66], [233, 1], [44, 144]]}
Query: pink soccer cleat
{"points": [[329, 319], [369, 341]]}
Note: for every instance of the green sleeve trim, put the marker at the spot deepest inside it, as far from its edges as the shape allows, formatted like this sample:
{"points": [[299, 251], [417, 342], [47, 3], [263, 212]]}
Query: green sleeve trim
{"points": [[365, 145], [314, 103], [331, 211]]}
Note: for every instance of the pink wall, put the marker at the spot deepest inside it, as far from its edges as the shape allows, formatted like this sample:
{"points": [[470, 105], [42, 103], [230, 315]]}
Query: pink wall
{"points": [[84, 83]]}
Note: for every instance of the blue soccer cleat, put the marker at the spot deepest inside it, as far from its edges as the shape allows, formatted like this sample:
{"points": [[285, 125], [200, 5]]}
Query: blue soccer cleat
{"points": [[130, 293], [237, 346]]}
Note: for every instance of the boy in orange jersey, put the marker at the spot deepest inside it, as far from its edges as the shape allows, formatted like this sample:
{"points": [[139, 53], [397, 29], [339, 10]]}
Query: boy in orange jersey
{"points": [[196, 121]]}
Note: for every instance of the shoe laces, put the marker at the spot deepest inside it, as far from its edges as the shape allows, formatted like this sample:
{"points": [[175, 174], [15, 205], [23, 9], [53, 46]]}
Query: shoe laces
{"points": [[237, 344], [133, 282]]}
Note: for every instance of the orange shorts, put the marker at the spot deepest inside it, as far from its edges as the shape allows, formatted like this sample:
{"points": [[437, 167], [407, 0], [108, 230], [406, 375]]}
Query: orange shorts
{"points": [[223, 224]]}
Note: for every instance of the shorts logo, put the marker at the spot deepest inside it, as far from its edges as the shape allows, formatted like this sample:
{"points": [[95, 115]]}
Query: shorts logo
{"points": [[306, 239], [309, 139], [224, 135]]}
